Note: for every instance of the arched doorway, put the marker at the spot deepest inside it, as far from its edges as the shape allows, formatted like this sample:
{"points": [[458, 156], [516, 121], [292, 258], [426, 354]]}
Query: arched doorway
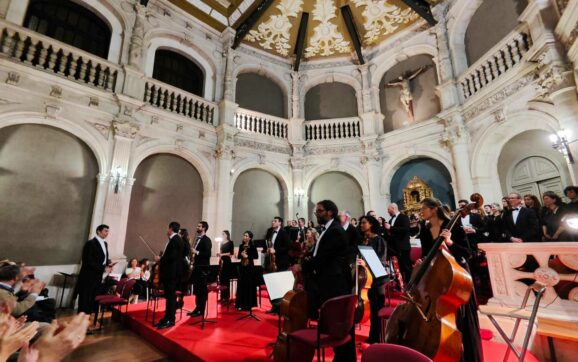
{"points": [[535, 175], [167, 188], [340, 188], [47, 188], [258, 197]]}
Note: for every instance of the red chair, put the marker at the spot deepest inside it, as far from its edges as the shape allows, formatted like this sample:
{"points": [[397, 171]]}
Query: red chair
{"points": [[334, 327], [392, 352], [118, 288], [384, 314], [125, 290]]}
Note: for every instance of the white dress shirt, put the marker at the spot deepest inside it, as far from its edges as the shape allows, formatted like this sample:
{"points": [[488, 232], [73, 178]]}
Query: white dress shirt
{"points": [[515, 213], [320, 237], [274, 236], [393, 218], [101, 242]]}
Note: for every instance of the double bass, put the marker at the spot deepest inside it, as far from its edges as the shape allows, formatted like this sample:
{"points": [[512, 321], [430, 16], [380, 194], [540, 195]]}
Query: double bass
{"points": [[363, 282], [294, 313], [437, 289]]}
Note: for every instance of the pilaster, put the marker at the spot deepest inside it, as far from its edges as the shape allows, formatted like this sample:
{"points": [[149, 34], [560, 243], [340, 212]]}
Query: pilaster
{"points": [[457, 137], [220, 217]]}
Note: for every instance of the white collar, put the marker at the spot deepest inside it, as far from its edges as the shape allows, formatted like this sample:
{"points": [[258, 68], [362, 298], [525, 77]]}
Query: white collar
{"points": [[327, 224], [100, 240], [346, 226], [172, 235]]}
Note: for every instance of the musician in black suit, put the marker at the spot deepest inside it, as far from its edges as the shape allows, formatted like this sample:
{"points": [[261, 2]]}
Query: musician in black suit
{"points": [[171, 264], [202, 251], [95, 261], [473, 224], [353, 235], [521, 223], [281, 243], [328, 268], [397, 232]]}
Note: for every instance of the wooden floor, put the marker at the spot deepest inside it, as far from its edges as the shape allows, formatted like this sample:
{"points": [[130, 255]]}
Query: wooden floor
{"points": [[114, 343]]}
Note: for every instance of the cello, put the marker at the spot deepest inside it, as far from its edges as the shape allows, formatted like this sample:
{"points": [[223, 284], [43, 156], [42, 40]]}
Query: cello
{"points": [[294, 313], [363, 282], [426, 322]]}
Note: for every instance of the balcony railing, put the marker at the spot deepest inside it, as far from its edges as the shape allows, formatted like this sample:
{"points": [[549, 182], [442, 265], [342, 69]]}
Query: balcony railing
{"points": [[50, 55], [255, 122], [498, 61], [175, 100], [331, 129]]}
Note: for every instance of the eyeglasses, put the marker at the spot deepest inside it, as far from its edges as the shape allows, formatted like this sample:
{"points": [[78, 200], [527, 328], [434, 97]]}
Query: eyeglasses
{"points": [[320, 211]]}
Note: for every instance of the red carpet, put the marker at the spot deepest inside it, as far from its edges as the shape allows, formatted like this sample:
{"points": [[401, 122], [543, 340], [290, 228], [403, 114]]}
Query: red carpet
{"points": [[233, 340]]}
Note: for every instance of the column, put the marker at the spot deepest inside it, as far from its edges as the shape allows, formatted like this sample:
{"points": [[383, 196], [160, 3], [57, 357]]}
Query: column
{"points": [[447, 90], [372, 121], [299, 192], [375, 201], [134, 84], [220, 217], [227, 106], [458, 137], [116, 206]]}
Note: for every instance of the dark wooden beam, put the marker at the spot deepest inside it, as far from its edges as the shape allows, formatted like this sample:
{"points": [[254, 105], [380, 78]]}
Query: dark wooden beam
{"points": [[248, 24], [422, 7], [352, 30], [300, 43]]}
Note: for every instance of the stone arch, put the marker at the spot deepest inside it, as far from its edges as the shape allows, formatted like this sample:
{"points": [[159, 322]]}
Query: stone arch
{"points": [[173, 41], [334, 78], [273, 169], [462, 11], [265, 72], [275, 81], [90, 136], [345, 168], [386, 64]]}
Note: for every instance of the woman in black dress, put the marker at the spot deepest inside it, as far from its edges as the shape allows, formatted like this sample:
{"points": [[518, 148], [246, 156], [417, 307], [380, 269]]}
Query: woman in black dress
{"points": [[246, 285], [552, 227], [370, 236], [225, 266], [467, 317]]}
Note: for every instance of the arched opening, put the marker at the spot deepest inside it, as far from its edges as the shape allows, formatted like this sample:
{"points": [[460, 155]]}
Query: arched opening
{"points": [[340, 188], [167, 188], [532, 171], [398, 98], [179, 71], [258, 197], [69, 23], [493, 20], [261, 94], [433, 172], [47, 188], [330, 100]]}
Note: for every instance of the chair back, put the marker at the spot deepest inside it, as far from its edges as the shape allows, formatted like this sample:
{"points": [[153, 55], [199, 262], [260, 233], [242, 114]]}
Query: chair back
{"points": [[394, 352], [125, 292], [336, 316], [120, 285]]}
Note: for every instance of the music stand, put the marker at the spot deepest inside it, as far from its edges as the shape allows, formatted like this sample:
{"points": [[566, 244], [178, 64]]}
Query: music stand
{"points": [[372, 261]]}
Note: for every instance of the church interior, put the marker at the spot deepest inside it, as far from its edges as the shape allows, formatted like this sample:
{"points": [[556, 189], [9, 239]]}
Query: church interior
{"points": [[136, 113]]}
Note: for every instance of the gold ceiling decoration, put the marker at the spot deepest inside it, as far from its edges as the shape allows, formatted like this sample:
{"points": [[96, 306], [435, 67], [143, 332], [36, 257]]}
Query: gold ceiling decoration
{"points": [[276, 31]]}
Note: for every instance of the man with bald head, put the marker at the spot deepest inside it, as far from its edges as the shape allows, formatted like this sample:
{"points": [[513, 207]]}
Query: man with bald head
{"points": [[397, 233]]}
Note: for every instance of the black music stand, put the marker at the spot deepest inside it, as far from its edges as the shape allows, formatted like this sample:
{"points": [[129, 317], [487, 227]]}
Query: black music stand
{"points": [[250, 315]]}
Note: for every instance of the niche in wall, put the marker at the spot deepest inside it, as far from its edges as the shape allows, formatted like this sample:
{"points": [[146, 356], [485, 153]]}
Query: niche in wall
{"points": [[47, 188], [493, 20], [167, 188], [433, 172], [179, 71], [330, 100], [261, 94], [340, 188], [258, 198], [423, 90]]}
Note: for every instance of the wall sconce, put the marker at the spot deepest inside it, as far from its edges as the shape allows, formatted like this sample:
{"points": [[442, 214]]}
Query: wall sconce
{"points": [[560, 142], [299, 193], [118, 178]]}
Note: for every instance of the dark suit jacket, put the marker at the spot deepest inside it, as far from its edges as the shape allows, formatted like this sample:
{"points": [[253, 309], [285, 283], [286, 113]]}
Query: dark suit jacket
{"points": [[479, 224], [281, 246], [526, 227], [329, 269], [203, 258], [398, 236], [353, 239], [90, 275], [172, 261]]}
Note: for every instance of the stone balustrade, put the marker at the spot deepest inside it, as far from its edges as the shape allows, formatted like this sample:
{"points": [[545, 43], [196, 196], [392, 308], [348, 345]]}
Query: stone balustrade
{"points": [[513, 266], [175, 100], [499, 60], [260, 123], [50, 55], [332, 129]]}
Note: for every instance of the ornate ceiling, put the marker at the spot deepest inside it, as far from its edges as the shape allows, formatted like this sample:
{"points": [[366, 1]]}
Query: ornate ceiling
{"points": [[276, 30]]}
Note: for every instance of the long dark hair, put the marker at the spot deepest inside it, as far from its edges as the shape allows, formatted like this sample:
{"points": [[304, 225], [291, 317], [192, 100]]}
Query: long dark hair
{"points": [[226, 232], [372, 221], [433, 203]]}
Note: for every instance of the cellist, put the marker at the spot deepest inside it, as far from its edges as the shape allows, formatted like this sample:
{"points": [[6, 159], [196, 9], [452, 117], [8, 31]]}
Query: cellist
{"points": [[436, 219]]}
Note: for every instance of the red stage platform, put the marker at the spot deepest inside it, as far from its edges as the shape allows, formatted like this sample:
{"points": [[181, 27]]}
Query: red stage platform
{"points": [[230, 339]]}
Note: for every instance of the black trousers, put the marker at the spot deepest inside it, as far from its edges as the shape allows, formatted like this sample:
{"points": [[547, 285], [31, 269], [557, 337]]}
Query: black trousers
{"points": [[170, 289], [200, 287], [405, 265], [376, 302]]}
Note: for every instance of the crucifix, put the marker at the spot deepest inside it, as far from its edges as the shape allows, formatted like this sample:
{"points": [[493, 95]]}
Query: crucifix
{"points": [[405, 95]]}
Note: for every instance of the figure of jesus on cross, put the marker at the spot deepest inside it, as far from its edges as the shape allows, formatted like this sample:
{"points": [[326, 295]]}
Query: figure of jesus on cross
{"points": [[405, 95]]}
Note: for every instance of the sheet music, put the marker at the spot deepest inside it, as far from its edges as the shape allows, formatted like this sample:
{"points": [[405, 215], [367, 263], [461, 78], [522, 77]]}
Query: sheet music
{"points": [[372, 261]]}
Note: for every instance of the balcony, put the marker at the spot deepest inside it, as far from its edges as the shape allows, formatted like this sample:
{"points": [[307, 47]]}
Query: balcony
{"points": [[259, 123], [498, 61], [333, 129], [49, 55]]}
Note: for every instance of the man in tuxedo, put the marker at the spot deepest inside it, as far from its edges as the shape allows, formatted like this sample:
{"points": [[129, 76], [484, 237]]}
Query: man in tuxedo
{"points": [[329, 269], [473, 225], [397, 235], [302, 229], [521, 223], [202, 254], [280, 242], [353, 235], [171, 265], [95, 261]]}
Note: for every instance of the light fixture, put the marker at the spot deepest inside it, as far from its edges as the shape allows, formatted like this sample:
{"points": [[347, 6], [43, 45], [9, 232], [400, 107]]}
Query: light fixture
{"points": [[118, 178], [299, 193], [560, 142], [572, 222]]}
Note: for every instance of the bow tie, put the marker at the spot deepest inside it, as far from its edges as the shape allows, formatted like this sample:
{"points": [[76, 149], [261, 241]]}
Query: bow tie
{"points": [[274, 231], [323, 228], [516, 209]]}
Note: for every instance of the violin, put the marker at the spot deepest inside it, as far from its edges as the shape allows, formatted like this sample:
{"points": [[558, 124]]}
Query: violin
{"points": [[426, 322], [270, 265]]}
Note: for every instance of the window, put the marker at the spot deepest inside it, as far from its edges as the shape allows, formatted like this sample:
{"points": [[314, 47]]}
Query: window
{"points": [[178, 71], [69, 23]]}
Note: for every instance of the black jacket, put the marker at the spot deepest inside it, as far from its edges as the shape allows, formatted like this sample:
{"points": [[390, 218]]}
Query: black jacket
{"points": [[172, 262], [398, 235], [203, 258], [526, 227], [281, 246], [353, 239], [92, 264]]}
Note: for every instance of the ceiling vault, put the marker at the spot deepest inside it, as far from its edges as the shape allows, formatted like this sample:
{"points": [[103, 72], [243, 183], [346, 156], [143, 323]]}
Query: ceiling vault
{"points": [[352, 30], [244, 28], [422, 7], [300, 43]]}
